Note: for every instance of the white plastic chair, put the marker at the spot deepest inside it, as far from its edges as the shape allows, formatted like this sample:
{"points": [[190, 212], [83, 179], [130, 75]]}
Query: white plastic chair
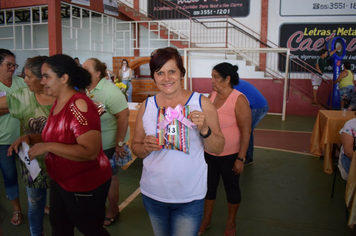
{"points": [[343, 173]]}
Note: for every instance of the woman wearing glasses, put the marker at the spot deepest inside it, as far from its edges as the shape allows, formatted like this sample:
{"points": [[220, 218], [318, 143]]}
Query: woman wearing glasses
{"points": [[10, 131], [31, 106], [174, 176]]}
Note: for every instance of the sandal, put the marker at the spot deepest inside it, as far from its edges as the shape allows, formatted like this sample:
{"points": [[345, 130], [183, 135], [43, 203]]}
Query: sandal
{"points": [[230, 233], [110, 220], [18, 218]]}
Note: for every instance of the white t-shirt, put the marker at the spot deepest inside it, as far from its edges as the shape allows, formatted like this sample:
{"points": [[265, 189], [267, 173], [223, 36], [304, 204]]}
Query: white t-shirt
{"points": [[172, 176], [349, 128]]}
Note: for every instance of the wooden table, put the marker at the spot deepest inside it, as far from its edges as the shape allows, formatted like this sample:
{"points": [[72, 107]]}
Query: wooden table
{"points": [[132, 118], [326, 133]]}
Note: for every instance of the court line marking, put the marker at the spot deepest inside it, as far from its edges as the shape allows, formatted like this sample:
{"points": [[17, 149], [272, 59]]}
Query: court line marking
{"points": [[287, 131], [129, 199], [284, 150]]}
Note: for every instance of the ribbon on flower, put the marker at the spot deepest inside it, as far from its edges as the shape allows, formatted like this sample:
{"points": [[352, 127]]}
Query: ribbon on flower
{"points": [[172, 114]]}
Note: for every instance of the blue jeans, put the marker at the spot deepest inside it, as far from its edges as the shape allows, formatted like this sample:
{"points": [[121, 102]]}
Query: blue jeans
{"points": [[129, 95], [9, 172], [36, 198], [345, 162], [174, 219], [257, 115]]}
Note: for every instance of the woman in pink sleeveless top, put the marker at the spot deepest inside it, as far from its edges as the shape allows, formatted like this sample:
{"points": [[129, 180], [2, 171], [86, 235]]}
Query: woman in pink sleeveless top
{"points": [[235, 122]]}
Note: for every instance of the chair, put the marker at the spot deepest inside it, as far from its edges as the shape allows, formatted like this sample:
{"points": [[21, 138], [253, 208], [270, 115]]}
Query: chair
{"points": [[343, 173]]}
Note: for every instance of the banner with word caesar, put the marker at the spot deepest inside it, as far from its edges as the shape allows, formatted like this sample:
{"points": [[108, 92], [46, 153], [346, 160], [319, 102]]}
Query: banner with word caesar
{"points": [[306, 40], [196, 8], [317, 8]]}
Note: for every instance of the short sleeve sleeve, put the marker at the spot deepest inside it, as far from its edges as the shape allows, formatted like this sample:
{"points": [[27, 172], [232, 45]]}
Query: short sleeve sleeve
{"points": [[349, 128], [116, 101], [83, 122], [17, 100]]}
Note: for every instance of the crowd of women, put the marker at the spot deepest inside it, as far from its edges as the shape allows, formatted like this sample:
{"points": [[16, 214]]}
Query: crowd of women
{"points": [[187, 141]]}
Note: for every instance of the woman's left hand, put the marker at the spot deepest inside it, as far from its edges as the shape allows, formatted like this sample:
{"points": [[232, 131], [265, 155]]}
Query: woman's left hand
{"points": [[120, 152], [198, 118], [38, 149], [238, 167]]}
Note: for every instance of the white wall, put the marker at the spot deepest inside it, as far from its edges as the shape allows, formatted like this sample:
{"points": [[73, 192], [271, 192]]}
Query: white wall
{"points": [[201, 65], [81, 38]]}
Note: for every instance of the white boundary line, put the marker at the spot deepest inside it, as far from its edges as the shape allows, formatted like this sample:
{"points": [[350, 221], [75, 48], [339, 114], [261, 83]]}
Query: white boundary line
{"points": [[291, 131], [283, 150], [129, 199]]}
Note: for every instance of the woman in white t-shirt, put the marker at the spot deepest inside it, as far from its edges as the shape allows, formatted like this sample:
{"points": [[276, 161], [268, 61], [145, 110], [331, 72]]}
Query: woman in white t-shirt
{"points": [[348, 137], [126, 76]]}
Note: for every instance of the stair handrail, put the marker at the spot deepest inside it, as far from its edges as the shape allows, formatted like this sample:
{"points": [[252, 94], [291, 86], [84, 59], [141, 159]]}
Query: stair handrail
{"points": [[235, 24], [250, 33]]}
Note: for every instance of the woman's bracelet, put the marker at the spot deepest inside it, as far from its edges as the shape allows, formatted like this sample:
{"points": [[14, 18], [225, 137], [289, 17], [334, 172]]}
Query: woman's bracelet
{"points": [[207, 134], [240, 159]]}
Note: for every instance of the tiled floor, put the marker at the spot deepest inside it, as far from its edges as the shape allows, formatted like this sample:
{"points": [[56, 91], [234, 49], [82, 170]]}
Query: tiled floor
{"points": [[283, 192]]}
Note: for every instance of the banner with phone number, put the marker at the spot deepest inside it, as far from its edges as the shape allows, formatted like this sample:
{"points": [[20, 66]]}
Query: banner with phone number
{"points": [[318, 8], [198, 8]]}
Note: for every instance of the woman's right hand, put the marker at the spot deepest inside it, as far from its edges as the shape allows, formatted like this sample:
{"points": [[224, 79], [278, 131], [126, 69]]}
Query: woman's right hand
{"points": [[150, 144], [18, 142], [238, 167]]}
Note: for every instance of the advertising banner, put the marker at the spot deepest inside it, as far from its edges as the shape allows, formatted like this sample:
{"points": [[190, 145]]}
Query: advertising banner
{"points": [[111, 7], [318, 8], [306, 40], [196, 8]]}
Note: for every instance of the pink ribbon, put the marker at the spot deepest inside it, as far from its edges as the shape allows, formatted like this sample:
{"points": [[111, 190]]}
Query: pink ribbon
{"points": [[172, 114]]}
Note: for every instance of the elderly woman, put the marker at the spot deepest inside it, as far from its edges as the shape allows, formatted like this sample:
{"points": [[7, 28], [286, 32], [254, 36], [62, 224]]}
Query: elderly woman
{"points": [[126, 76], [10, 131], [235, 122], [75, 160], [32, 106], [115, 131], [174, 176]]}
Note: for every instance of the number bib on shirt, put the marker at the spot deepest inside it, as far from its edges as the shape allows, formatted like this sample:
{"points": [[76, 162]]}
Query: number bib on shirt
{"points": [[175, 135]]}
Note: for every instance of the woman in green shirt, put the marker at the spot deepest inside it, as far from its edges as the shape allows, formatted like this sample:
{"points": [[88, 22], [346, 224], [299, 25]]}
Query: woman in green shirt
{"points": [[9, 132], [31, 106], [115, 130]]}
